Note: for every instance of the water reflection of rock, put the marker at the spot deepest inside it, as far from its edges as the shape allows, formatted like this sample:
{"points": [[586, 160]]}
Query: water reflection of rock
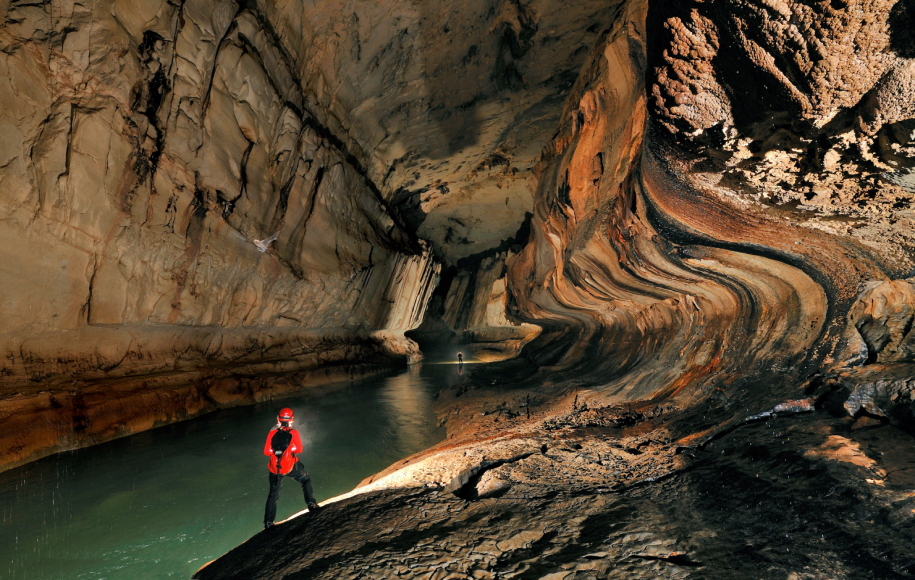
{"points": [[409, 404]]}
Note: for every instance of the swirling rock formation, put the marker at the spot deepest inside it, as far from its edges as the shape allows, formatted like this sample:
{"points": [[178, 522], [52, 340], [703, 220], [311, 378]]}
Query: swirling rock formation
{"points": [[717, 252], [719, 257], [669, 257]]}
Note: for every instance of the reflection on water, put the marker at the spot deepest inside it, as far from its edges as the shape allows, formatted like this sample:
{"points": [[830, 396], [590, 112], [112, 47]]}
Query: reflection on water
{"points": [[161, 503], [410, 400]]}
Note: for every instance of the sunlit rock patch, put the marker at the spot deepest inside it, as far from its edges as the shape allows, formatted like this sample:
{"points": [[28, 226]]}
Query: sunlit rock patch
{"points": [[785, 497]]}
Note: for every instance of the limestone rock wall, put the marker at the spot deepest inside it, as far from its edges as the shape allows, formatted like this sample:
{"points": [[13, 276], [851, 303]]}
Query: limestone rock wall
{"points": [[475, 307], [447, 104], [146, 148], [654, 268], [709, 196]]}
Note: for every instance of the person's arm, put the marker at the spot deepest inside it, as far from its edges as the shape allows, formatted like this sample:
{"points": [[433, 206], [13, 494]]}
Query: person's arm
{"points": [[296, 441], [268, 447]]}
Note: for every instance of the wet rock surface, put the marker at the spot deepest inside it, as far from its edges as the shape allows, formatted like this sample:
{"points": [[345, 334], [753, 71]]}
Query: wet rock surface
{"points": [[800, 496]]}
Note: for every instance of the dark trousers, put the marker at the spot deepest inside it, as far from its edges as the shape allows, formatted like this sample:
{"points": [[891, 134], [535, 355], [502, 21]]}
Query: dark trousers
{"points": [[276, 482]]}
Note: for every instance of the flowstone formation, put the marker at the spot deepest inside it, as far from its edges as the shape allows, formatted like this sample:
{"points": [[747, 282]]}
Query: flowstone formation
{"points": [[720, 260]]}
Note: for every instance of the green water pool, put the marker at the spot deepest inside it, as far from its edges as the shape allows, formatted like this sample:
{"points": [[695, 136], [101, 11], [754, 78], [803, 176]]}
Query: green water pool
{"points": [[162, 503]]}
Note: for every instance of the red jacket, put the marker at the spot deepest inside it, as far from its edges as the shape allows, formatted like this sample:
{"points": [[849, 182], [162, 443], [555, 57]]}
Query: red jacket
{"points": [[289, 459]]}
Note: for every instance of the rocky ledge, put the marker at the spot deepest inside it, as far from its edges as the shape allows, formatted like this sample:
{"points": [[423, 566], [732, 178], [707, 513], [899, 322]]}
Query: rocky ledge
{"points": [[804, 491]]}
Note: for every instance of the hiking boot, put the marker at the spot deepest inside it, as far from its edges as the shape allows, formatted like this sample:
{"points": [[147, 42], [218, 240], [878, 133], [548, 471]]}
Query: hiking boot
{"points": [[268, 525], [314, 508]]}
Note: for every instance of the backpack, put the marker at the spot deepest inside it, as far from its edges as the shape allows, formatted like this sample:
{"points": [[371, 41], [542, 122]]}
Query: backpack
{"points": [[282, 449]]}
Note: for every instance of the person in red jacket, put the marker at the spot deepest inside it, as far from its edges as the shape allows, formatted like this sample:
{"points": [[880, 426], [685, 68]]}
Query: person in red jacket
{"points": [[283, 443]]}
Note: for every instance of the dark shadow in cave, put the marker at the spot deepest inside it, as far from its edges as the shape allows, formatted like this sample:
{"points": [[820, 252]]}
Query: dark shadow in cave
{"points": [[902, 25]]}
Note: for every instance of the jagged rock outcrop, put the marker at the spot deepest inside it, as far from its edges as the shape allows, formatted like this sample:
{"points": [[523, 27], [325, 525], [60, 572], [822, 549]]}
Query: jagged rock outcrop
{"points": [[795, 106]]}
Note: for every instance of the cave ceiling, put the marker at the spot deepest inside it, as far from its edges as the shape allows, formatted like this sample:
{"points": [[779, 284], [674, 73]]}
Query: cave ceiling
{"points": [[449, 104]]}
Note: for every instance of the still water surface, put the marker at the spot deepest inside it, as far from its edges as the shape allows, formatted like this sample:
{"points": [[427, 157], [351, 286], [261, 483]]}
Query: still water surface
{"points": [[162, 503]]}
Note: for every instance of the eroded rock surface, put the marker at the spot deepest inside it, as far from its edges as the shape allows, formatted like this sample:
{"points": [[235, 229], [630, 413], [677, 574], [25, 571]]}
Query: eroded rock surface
{"points": [[796, 106], [779, 498], [719, 259]]}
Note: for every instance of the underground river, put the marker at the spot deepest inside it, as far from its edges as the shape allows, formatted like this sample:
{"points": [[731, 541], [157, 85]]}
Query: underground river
{"points": [[162, 503]]}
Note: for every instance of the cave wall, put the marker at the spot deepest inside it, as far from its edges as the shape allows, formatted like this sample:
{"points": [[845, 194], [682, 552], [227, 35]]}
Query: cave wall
{"points": [[720, 259], [725, 180], [715, 201], [802, 106], [448, 104], [145, 147]]}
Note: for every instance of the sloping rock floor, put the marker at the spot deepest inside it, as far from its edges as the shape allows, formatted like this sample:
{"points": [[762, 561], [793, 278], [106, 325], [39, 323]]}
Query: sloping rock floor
{"points": [[804, 496]]}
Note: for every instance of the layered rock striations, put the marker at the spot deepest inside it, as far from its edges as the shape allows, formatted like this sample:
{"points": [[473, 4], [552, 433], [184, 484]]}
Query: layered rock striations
{"points": [[720, 261], [681, 276]]}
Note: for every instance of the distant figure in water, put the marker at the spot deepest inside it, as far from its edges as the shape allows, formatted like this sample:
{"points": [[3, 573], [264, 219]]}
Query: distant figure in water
{"points": [[283, 442], [461, 359]]}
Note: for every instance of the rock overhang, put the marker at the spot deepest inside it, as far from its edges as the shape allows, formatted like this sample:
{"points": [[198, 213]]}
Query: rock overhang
{"points": [[449, 105]]}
